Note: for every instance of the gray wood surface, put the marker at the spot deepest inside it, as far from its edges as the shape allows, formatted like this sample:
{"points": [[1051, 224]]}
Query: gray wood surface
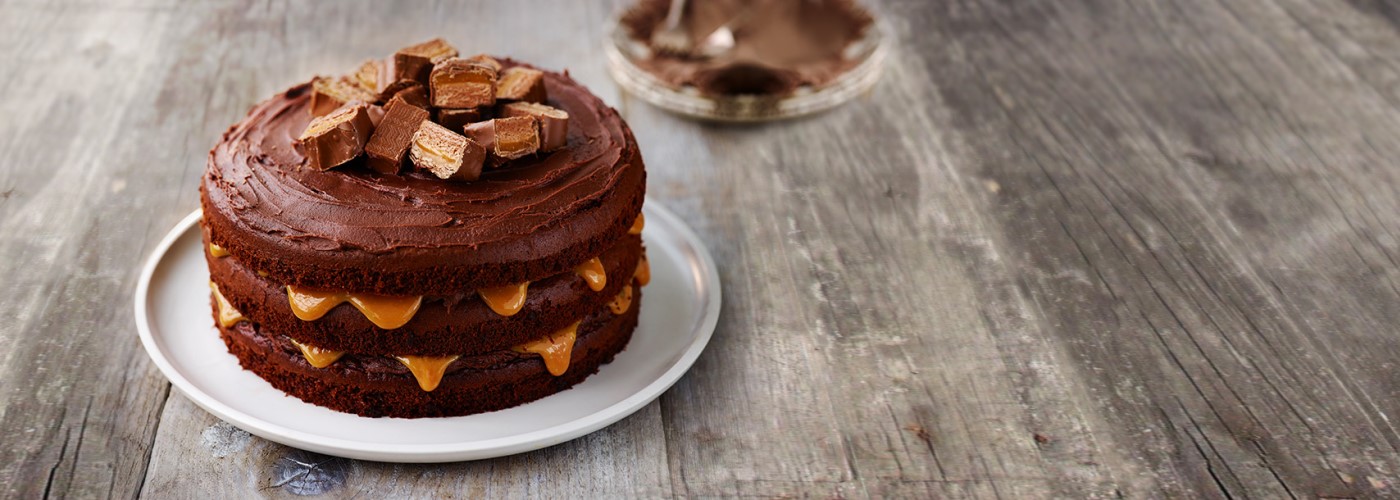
{"points": [[1064, 249]]}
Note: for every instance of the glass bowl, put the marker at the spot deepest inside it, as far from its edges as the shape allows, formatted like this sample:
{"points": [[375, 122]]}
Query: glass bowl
{"points": [[870, 52]]}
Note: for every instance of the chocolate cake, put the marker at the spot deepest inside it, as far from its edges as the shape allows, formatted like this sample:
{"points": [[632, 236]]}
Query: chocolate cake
{"points": [[430, 235]]}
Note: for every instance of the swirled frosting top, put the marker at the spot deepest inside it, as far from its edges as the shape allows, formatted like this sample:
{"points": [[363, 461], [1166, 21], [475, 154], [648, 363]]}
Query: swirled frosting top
{"points": [[526, 209]]}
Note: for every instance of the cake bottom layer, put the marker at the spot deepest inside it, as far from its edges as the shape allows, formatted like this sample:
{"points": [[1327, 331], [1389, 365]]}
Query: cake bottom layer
{"points": [[375, 386]]}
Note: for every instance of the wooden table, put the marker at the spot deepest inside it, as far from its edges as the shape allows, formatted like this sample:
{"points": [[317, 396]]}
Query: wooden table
{"points": [[1064, 249]]}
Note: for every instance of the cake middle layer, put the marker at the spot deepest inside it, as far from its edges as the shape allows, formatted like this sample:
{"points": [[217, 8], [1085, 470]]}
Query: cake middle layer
{"points": [[373, 385], [441, 325]]}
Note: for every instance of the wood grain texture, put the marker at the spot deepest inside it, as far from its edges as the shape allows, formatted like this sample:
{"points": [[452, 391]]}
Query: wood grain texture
{"points": [[1088, 249]]}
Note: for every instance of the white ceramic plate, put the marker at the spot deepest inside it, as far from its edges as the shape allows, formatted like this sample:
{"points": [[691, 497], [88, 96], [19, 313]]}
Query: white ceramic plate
{"points": [[678, 316]]}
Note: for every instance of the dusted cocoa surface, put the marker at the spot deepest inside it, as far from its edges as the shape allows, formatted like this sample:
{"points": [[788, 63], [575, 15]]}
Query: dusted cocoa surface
{"points": [[444, 325], [352, 228], [376, 386]]}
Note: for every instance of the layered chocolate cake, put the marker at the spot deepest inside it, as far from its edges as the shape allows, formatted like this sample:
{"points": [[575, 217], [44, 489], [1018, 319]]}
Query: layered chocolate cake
{"points": [[430, 235]]}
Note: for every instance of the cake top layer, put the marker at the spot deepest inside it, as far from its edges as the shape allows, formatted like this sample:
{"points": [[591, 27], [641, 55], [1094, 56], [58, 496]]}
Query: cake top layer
{"points": [[523, 219]]}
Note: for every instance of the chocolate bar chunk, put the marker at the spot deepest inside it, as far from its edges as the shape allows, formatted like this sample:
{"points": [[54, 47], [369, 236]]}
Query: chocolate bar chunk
{"points": [[415, 94], [457, 119], [521, 84], [368, 76], [387, 90], [507, 138], [445, 153], [415, 62], [487, 60], [337, 137], [328, 94], [459, 84], [392, 138], [554, 122]]}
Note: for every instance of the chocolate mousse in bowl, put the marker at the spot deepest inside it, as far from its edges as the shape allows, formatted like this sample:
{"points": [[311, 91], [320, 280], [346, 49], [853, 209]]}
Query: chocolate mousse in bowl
{"points": [[747, 60]]}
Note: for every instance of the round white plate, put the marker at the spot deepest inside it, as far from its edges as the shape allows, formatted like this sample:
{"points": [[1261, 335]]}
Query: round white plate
{"points": [[678, 316]]}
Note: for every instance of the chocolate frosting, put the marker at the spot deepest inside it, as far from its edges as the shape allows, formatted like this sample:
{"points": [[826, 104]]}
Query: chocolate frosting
{"points": [[355, 229]]}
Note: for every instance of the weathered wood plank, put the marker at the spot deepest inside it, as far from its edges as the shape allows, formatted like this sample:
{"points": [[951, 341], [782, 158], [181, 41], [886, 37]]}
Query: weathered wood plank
{"points": [[83, 200], [1149, 226], [197, 452], [1088, 249]]}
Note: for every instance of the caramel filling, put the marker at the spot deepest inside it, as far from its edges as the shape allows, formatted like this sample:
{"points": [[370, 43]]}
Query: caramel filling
{"points": [[643, 274], [555, 349], [430, 146], [505, 300], [593, 273], [228, 316], [385, 311], [637, 224], [217, 251], [622, 302], [318, 357], [427, 369]]}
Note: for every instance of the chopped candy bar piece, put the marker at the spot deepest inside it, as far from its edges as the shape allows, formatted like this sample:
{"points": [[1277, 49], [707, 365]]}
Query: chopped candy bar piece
{"points": [[337, 137]]}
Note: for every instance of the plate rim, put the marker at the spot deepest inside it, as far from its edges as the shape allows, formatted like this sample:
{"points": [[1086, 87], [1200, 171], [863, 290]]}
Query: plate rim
{"points": [[707, 286]]}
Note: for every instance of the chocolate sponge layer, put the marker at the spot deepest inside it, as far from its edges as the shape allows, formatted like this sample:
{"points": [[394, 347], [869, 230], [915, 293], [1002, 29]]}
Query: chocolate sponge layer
{"points": [[444, 325], [377, 386]]}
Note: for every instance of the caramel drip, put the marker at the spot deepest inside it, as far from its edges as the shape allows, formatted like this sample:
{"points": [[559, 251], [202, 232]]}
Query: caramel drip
{"points": [[622, 302], [318, 357], [385, 311], [228, 316], [637, 224], [643, 273], [427, 369], [555, 349], [262, 273], [217, 251], [505, 300], [593, 273], [310, 305]]}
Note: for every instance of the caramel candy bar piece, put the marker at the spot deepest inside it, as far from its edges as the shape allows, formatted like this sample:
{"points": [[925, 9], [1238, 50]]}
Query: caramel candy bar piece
{"points": [[460, 84], [337, 137], [415, 94], [507, 138], [458, 119], [392, 138], [521, 84], [445, 153], [328, 94], [368, 76], [516, 136], [391, 89], [484, 133], [554, 122], [415, 62], [383, 82], [487, 60]]}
